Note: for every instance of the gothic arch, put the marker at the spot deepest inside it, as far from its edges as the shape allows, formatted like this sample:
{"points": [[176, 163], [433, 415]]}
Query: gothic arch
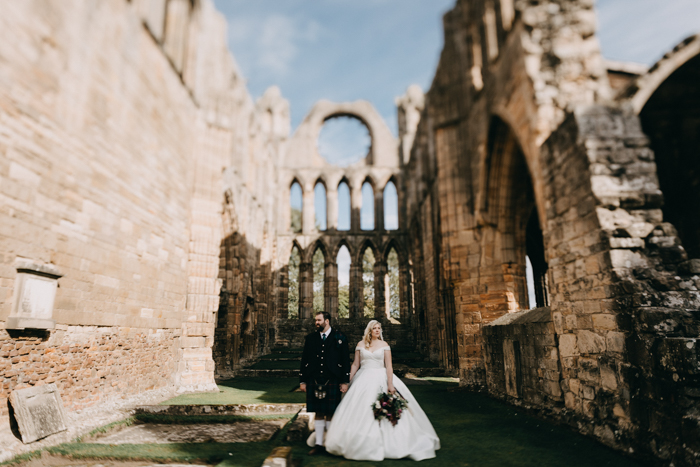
{"points": [[360, 252], [341, 243], [311, 251], [400, 251], [303, 151], [642, 88]]}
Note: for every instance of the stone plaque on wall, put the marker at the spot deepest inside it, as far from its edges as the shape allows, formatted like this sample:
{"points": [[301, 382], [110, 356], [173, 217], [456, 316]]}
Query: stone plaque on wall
{"points": [[38, 411], [35, 291]]}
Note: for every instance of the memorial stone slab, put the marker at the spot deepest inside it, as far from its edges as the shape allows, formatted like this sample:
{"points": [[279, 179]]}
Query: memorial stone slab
{"points": [[35, 292], [39, 412]]}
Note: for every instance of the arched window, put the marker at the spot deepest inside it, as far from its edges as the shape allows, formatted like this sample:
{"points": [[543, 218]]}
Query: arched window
{"points": [[293, 275], [320, 206], [343, 141], [344, 206], [368, 283], [343, 260], [367, 208], [391, 207], [391, 286], [319, 265], [296, 205]]}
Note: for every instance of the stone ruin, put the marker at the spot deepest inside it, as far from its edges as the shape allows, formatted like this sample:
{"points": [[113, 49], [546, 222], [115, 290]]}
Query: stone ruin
{"points": [[146, 228]]}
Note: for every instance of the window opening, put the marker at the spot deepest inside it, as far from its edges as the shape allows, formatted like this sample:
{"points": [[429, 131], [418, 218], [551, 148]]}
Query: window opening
{"points": [[293, 284], [343, 141], [344, 206], [320, 206], [296, 205], [343, 260], [367, 208], [391, 286], [368, 283], [319, 266], [391, 207]]}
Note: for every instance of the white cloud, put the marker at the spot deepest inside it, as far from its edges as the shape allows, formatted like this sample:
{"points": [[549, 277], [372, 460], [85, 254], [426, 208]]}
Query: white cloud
{"points": [[273, 42]]}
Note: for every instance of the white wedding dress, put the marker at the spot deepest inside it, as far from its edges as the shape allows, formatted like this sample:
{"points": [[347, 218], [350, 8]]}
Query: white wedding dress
{"points": [[355, 434]]}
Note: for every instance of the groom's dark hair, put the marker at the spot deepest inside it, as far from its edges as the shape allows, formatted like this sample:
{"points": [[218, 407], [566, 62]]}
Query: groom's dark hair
{"points": [[326, 316]]}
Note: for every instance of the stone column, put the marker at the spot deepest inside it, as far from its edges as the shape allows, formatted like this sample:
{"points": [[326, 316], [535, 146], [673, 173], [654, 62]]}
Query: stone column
{"points": [[380, 268], [378, 210], [306, 290], [355, 205], [405, 298], [308, 223], [330, 288], [355, 290], [332, 208]]}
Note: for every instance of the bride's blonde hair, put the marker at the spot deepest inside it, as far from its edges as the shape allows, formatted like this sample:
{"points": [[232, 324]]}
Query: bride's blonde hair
{"points": [[367, 339]]}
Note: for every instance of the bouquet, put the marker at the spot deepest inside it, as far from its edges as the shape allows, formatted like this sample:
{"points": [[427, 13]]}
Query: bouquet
{"points": [[389, 406]]}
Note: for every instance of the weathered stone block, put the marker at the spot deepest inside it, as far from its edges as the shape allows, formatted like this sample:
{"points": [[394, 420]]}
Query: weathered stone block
{"points": [[39, 412], [678, 354], [568, 345], [590, 342]]}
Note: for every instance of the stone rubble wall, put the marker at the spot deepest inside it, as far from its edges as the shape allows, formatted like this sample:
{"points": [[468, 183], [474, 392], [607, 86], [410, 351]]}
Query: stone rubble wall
{"points": [[88, 364]]}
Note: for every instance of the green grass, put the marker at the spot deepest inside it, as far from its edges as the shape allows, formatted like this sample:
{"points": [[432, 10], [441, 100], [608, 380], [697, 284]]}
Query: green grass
{"points": [[246, 391], [477, 431]]}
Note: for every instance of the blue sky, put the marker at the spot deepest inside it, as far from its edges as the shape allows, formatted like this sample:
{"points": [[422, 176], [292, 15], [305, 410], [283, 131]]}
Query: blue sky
{"points": [[374, 49], [345, 50]]}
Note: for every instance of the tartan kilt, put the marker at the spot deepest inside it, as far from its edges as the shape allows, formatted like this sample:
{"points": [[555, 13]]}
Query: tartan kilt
{"points": [[326, 405]]}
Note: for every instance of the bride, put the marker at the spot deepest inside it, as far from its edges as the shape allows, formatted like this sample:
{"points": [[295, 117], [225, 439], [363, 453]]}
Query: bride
{"points": [[355, 434]]}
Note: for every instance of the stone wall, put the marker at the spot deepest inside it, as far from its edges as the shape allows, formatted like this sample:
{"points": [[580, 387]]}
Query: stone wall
{"points": [[87, 363], [117, 119], [504, 80]]}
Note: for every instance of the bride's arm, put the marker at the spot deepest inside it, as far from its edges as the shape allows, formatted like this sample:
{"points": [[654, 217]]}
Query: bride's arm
{"points": [[355, 364], [389, 371]]}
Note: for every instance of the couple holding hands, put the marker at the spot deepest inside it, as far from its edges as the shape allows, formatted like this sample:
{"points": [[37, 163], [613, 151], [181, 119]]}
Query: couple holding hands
{"points": [[347, 394]]}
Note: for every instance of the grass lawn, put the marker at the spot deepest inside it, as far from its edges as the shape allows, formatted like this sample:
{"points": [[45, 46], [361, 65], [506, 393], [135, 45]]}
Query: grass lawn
{"points": [[474, 430], [246, 391]]}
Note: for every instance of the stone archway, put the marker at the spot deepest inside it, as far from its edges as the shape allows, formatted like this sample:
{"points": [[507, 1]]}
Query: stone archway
{"points": [[303, 151], [668, 102]]}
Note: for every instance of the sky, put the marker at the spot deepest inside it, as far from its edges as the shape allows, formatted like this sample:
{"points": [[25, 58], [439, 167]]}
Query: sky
{"points": [[345, 50]]}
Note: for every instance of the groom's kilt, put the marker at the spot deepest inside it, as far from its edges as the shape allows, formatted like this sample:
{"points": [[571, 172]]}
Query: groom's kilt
{"points": [[328, 404]]}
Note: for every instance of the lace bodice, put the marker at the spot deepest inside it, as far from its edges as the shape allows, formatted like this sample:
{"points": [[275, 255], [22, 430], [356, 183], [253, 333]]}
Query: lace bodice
{"points": [[369, 359]]}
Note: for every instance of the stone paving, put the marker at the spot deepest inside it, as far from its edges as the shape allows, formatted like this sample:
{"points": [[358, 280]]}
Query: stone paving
{"points": [[237, 432]]}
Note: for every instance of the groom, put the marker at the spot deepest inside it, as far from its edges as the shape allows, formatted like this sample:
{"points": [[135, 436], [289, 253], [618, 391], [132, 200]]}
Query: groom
{"points": [[324, 374]]}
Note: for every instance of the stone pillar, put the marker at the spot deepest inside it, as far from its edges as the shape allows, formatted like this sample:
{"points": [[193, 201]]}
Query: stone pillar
{"points": [[378, 210], [195, 370], [355, 205], [405, 304], [306, 290], [380, 268], [332, 208], [356, 290], [308, 216], [330, 288]]}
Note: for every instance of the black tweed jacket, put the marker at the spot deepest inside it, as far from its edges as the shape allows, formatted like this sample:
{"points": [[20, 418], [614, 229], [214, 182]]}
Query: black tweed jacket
{"points": [[324, 361]]}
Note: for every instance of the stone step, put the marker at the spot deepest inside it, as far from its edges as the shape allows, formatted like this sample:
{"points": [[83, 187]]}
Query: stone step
{"points": [[231, 409]]}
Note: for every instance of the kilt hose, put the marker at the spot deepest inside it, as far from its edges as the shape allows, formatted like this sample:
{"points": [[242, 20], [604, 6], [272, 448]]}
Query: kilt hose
{"points": [[328, 404]]}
